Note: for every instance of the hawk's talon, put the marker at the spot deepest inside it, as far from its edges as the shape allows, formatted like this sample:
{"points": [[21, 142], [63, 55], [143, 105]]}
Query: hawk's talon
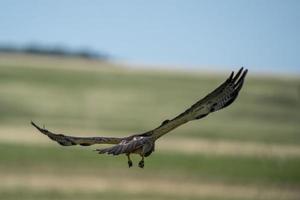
{"points": [[141, 164], [129, 163]]}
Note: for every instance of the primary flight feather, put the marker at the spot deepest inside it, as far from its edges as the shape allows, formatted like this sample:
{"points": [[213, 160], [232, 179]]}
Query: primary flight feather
{"points": [[143, 144]]}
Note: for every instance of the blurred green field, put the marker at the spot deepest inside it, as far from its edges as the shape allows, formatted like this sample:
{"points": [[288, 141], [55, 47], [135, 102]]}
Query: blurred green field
{"points": [[89, 98]]}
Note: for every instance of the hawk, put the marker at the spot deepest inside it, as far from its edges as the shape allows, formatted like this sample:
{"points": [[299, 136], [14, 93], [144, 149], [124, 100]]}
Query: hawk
{"points": [[144, 143]]}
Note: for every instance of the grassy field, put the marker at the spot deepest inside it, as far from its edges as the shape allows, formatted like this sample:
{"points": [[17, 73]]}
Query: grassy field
{"points": [[251, 150]]}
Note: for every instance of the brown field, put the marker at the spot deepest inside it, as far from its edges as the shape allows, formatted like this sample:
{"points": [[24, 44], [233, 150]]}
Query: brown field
{"points": [[248, 151]]}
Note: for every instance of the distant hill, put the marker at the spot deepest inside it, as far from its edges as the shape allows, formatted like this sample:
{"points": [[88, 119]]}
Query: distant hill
{"points": [[54, 51]]}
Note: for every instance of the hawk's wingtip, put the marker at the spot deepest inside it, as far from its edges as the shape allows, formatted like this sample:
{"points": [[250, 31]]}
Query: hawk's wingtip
{"points": [[38, 128], [33, 124]]}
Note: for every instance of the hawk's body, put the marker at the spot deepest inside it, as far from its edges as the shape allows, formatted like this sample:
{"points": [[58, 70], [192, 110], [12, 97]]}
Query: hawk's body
{"points": [[143, 144]]}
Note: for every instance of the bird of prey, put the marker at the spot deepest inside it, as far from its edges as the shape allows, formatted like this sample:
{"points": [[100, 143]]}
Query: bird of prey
{"points": [[144, 143]]}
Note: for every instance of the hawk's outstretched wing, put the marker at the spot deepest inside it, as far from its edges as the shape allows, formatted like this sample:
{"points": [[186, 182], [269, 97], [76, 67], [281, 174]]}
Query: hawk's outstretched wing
{"points": [[220, 98], [71, 140]]}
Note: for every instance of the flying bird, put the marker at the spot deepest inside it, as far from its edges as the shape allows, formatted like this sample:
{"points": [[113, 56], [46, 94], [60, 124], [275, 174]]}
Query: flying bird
{"points": [[144, 143]]}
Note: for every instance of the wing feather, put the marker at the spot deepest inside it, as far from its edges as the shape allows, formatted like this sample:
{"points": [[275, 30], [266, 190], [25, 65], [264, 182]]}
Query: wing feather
{"points": [[65, 140], [221, 97]]}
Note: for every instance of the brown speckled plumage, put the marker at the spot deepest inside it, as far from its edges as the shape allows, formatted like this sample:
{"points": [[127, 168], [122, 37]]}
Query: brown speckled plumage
{"points": [[143, 144]]}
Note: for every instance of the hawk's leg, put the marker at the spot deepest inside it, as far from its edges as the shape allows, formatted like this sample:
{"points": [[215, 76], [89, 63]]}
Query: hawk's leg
{"points": [[129, 160], [141, 163]]}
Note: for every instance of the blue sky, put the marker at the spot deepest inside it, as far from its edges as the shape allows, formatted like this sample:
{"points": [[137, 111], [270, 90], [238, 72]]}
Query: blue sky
{"points": [[259, 34]]}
